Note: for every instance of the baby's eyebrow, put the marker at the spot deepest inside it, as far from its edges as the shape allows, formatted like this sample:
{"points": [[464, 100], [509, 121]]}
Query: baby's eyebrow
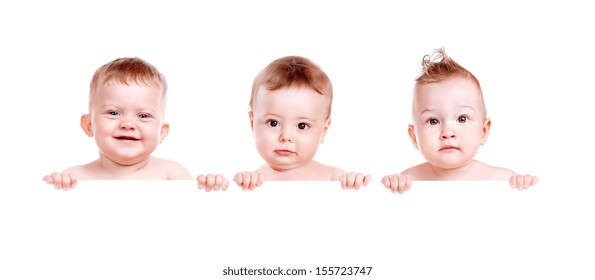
{"points": [[108, 106], [306, 118], [466, 106], [270, 115], [148, 109], [426, 111], [141, 109]]}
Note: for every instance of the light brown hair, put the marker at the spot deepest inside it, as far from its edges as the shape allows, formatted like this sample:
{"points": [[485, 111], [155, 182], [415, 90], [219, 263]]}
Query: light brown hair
{"points": [[438, 66], [128, 70], [294, 71]]}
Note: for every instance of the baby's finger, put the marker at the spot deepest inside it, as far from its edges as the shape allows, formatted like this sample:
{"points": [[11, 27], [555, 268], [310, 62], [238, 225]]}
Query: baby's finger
{"points": [[367, 179], [512, 181], [57, 180], [220, 182], [386, 182], [73, 180], [239, 179], [210, 184], [520, 181], [246, 176], [527, 180], [343, 180], [394, 183], [213, 181], [351, 177], [201, 180], [48, 179], [359, 180], [260, 179], [65, 182], [408, 182], [402, 183], [253, 182]]}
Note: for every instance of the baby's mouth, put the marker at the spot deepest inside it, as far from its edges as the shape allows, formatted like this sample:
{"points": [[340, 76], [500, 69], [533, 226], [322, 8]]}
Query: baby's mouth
{"points": [[448, 148], [284, 152], [131, 138]]}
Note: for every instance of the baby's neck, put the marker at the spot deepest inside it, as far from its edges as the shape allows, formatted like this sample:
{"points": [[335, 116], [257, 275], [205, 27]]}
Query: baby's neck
{"points": [[118, 170], [309, 171], [466, 172]]}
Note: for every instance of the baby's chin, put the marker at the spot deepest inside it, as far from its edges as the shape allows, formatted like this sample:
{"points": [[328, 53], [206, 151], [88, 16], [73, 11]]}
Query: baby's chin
{"points": [[283, 167], [451, 165], [129, 160]]}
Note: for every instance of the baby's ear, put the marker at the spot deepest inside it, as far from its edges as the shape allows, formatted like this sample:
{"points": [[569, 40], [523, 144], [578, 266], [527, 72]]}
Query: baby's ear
{"points": [[411, 131], [164, 132], [487, 124], [251, 116], [327, 123], [86, 124]]}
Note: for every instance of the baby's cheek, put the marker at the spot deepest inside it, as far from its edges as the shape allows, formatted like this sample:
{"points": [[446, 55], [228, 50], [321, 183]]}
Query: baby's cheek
{"points": [[312, 144]]}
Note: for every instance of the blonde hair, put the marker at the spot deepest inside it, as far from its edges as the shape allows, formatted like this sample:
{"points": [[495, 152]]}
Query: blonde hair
{"points": [[294, 71]]}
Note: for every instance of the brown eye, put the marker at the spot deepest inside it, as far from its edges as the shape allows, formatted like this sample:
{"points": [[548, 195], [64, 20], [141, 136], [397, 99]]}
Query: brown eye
{"points": [[433, 121], [273, 123], [303, 126], [462, 119]]}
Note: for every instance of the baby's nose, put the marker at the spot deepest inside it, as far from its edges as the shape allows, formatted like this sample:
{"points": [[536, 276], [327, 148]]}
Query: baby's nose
{"points": [[285, 136], [448, 133], [127, 122], [448, 136]]}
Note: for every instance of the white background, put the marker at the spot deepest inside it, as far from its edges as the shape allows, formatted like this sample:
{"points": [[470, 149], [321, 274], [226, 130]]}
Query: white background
{"points": [[534, 62]]}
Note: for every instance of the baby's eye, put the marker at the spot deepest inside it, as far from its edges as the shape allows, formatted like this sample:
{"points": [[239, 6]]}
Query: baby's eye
{"points": [[462, 119], [303, 125], [113, 113], [433, 121], [144, 116], [273, 123]]}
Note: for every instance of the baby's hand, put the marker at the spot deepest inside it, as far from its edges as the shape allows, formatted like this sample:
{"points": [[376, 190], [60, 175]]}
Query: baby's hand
{"points": [[352, 180], [249, 180], [64, 181], [397, 183], [212, 182], [521, 182]]}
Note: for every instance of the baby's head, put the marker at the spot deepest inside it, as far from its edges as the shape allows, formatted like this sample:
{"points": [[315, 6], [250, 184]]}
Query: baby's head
{"points": [[126, 110], [128, 71], [449, 114], [290, 111]]}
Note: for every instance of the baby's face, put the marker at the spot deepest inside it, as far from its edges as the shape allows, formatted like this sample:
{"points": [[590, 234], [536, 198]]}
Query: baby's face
{"points": [[127, 121], [288, 125], [449, 122]]}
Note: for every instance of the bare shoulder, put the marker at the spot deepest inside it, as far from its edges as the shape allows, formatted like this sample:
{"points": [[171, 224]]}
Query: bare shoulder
{"points": [[418, 172], [75, 169], [265, 168], [495, 173], [174, 170], [333, 173], [85, 171]]}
